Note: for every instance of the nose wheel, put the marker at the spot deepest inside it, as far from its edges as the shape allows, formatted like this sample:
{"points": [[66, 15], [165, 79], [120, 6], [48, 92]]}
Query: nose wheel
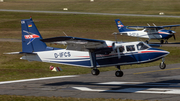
{"points": [[162, 65]]}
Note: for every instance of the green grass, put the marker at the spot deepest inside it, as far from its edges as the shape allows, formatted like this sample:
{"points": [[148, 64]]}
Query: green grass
{"points": [[87, 26], [33, 98], [104, 6]]}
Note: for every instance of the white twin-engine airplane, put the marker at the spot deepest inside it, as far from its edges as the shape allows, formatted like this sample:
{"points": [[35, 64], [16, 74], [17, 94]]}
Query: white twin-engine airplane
{"points": [[85, 52], [149, 32]]}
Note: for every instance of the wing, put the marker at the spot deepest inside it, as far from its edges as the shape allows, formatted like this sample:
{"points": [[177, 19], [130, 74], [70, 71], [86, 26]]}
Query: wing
{"points": [[158, 27], [169, 26], [75, 43]]}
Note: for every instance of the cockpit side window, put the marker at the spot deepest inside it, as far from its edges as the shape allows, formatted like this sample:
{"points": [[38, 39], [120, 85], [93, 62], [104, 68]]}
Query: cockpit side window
{"points": [[142, 46], [151, 30], [130, 48], [121, 49]]}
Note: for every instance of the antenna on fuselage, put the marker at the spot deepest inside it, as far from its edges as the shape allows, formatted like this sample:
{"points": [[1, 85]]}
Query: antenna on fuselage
{"points": [[148, 24], [65, 33], [154, 24], [115, 35]]}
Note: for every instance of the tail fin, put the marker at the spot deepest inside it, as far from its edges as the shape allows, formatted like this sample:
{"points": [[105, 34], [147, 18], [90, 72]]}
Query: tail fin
{"points": [[120, 25], [31, 37]]}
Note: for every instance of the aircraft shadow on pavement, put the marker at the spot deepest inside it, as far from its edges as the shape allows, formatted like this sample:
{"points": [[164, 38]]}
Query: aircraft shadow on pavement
{"points": [[70, 83], [111, 87]]}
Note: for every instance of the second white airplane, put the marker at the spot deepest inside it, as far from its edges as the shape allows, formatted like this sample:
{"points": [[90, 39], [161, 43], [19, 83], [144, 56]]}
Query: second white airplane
{"points": [[149, 32]]}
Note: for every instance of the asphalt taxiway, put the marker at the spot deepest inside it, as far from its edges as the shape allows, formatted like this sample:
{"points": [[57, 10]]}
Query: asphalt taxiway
{"points": [[148, 83]]}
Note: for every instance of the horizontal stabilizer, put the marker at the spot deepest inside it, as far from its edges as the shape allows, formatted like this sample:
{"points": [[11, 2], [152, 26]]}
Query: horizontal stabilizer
{"points": [[11, 53], [120, 33]]}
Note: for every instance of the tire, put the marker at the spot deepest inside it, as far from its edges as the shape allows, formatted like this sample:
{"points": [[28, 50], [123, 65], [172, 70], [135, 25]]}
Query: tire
{"points": [[162, 41], [119, 73], [147, 41], [95, 72], [162, 65]]}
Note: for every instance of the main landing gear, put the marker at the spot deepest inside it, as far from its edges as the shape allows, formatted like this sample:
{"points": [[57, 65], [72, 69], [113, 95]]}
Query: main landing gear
{"points": [[95, 72], [119, 73], [147, 41], [162, 41]]}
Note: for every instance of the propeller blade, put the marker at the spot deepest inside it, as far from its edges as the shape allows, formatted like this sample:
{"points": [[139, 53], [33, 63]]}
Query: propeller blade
{"points": [[174, 36]]}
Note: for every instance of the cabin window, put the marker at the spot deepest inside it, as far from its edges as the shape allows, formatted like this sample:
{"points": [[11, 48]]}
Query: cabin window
{"points": [[130, 48], [142, 46], [151, 30]]}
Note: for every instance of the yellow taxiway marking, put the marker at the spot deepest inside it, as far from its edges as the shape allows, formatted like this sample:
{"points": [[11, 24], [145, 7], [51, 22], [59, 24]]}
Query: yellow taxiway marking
{"points": [[157, 70]]}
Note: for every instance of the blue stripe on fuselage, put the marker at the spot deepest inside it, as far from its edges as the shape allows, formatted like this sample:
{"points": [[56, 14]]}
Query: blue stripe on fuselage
{"points": [[148, 55]]}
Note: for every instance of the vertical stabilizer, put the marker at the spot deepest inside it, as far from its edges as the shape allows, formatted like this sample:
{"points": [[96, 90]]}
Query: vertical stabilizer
{"points": [[120, 25], [31, 37]]}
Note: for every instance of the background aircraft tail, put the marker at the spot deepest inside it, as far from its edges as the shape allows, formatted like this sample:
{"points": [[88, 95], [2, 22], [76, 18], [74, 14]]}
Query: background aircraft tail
{"points": [[120, 25], [31, 37]]}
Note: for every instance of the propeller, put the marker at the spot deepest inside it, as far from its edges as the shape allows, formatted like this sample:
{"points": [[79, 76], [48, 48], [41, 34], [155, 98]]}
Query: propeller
{"points": [[173, 34]]}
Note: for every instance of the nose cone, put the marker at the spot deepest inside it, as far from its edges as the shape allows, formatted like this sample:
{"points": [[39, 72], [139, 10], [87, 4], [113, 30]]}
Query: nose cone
{"points": [[166, 52], [173, 32], [163, 53], [158, 53]]}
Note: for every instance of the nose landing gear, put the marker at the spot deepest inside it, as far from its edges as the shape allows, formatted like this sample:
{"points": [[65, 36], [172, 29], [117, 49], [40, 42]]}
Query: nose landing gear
{"points": [[162, 65]]}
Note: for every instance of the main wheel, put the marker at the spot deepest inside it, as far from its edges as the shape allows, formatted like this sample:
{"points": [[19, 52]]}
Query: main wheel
{"points": [[95, 72], [162, 65], [119, 73], [162, 41], [147, 41]]}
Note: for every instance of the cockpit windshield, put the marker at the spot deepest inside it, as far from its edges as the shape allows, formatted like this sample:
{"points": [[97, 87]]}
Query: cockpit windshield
{"points": [[142, 46]]}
